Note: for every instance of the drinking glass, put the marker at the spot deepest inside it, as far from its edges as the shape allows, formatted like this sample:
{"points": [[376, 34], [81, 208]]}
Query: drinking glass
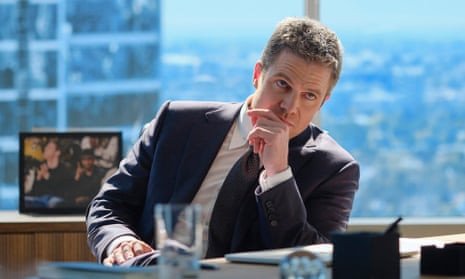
{"points": [[178, 234]]}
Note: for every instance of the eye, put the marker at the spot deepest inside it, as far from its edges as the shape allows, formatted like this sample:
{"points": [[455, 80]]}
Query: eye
{"points": [[282, 83], [310, 96]]}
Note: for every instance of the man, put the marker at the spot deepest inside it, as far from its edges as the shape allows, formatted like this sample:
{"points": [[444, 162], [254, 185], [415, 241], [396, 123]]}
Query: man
{"points": [[307, 183], [87, 179], [51, 178]]}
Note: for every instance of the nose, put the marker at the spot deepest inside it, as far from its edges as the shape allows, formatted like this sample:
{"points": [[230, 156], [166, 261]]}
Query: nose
{"points": [[289, 104]]}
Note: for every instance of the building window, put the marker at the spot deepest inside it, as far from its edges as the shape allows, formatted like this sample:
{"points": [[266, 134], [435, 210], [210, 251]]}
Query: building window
{"points": [[75, 64]]}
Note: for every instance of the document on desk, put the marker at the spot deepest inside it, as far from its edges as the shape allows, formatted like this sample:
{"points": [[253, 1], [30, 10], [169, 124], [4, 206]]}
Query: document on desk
{"points": [[78, 270], [407, 247], [323, 251]]}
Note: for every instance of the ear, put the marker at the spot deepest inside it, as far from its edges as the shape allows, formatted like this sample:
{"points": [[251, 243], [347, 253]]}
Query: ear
{"points": [[257, 72]]}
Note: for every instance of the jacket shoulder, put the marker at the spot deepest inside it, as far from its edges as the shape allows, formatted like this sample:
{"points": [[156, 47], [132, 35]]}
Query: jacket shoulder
{"points": [[198, 106], [327, 146]]}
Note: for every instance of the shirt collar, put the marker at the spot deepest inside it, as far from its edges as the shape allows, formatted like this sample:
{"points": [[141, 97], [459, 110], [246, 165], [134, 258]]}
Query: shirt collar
{"points": [[242, 128]]}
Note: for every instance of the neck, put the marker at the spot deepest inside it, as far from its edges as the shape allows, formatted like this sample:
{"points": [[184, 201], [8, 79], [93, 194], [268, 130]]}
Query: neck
{"points": [[53, 162]]}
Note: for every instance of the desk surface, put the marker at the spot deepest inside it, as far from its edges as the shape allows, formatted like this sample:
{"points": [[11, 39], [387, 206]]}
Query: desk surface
{"points": [[410, 267], [14, 222], [13, 216]]}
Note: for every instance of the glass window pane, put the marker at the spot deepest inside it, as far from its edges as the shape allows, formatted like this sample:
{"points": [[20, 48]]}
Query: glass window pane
{"points": [[43, 113], [7, 65], [209, 47], [101, 72], [42, 21], [111, 110], [399, 106], [9, 27], [112, 62], [43, 69], [7, 118], [112, 16]]}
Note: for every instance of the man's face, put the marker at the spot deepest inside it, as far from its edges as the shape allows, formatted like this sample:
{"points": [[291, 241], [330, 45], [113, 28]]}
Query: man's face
{"points": [[50, 150], [87, 162], [292, 88]]}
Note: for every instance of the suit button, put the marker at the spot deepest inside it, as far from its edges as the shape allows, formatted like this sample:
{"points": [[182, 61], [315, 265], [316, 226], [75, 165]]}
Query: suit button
{"points": [[269, 204], [274, 223], [271, 217]]}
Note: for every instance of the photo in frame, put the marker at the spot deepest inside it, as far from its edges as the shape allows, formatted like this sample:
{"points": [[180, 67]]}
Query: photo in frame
{"points": [[60, 172]]}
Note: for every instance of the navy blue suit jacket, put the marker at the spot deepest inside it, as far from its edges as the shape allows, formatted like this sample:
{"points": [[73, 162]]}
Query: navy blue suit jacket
{"points": [[170, 160]]}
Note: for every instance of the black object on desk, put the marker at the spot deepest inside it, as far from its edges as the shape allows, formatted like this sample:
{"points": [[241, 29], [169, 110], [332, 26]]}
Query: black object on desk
{"points": [[449, 260], [209, 266], [367, 254]]}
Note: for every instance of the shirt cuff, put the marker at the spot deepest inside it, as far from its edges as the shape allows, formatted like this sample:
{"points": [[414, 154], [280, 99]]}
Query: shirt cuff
{"points": [[268, 182], [115, 242]]}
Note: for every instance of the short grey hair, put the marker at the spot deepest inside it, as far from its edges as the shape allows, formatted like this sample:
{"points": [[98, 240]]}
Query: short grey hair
{"points": [[308, 39]]}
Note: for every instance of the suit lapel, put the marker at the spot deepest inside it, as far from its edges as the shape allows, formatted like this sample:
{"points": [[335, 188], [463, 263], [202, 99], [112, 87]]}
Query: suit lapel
{"points": [[203, 143], [301, 147]]}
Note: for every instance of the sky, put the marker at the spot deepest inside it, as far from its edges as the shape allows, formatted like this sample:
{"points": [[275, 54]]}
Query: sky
{"points": [[394, 15], [225, 18], [206, 18]]}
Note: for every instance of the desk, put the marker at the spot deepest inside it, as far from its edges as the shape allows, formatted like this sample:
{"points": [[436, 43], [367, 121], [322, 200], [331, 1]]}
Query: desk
{"points": [[26, 240], [410, 267]]}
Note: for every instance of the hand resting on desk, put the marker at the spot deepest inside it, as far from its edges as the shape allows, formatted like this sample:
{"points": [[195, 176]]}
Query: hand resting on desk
{"points": [[138, 253], [130, 251]]}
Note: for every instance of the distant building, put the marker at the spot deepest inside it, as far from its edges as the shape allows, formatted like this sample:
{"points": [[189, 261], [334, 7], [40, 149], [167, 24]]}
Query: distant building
{"points": [[71, 64]]}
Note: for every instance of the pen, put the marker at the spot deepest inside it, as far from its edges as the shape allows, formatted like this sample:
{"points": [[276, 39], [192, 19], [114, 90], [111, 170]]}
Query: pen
{"points": [[209, 266], [393, 227]]}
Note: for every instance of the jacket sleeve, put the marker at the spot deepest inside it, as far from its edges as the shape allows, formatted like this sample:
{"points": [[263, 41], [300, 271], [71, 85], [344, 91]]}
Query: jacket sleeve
{"points": [[115, 210], [295, 215]]}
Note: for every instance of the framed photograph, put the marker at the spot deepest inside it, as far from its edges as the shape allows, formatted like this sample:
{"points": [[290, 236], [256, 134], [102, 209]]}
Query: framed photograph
{"points": [[59, 173]]}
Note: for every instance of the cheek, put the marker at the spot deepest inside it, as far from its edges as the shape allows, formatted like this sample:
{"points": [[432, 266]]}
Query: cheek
{"points": [[307, 114], [272, 96], [262, 98]]}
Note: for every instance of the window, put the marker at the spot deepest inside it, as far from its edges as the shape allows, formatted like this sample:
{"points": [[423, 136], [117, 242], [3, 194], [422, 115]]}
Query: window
{"points": [[209, 47], [399, 107], [97, 64], [74, 64]]}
